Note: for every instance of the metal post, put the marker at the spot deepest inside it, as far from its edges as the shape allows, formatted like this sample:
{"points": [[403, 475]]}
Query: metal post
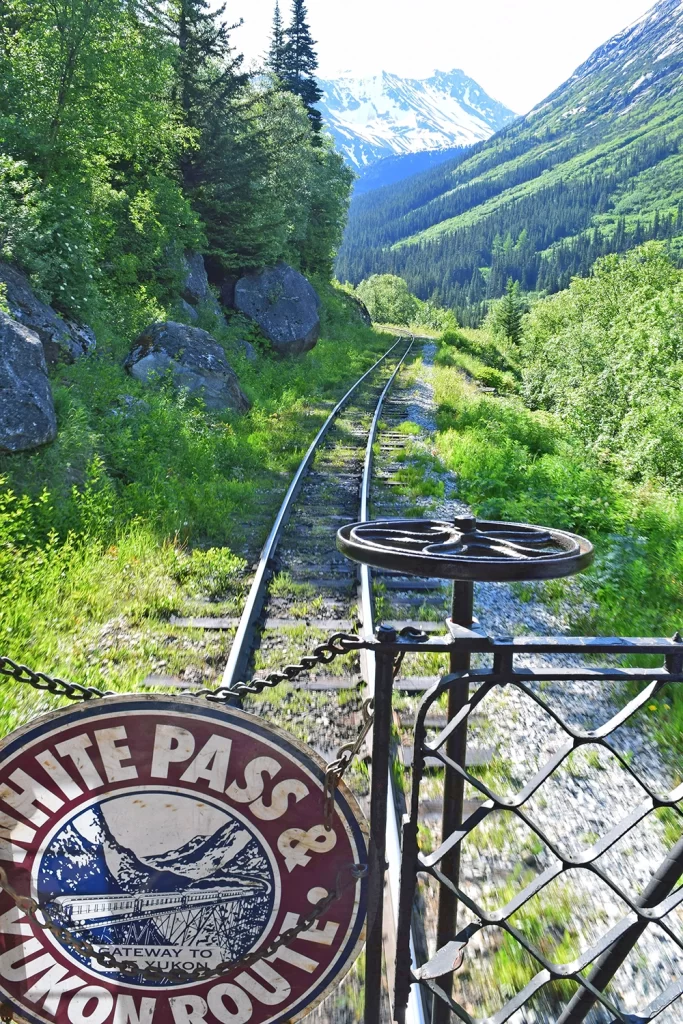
{"points": [[454, 788], [606, 966], [379, 794]]}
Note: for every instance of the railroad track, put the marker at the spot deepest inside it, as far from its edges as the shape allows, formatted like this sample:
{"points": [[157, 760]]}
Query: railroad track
{"points": [[304, 590]]}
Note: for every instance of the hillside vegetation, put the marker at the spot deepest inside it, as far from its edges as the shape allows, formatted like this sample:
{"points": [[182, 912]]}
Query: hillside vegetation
{"points": [[146, 505], [595, 169], [130, 133], [571, 448]]}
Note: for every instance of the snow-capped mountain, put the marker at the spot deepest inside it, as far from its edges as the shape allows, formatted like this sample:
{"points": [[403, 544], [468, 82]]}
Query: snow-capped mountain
{"points": [[386, 115], [215, 890], [86, 857], [636, 68]]}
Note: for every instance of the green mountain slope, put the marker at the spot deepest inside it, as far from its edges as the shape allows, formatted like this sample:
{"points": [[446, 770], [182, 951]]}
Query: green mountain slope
{"points": [[596, 168]]}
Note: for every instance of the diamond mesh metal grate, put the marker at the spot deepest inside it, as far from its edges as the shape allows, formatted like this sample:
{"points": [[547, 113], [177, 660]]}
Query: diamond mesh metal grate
{"points": [[655, 907]]}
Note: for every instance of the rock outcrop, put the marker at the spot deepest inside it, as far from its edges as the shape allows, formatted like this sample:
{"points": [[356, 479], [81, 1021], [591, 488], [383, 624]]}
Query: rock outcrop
{"points": [[27, 412], [62, 341], [195, 359], [196, 284], [362, 310], [188, 311], [248, 350], [284, 305], [196, 289]]}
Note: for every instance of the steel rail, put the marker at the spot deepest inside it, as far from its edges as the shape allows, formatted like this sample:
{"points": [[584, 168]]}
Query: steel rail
{"points": [[240, 651], [415, 1011]]}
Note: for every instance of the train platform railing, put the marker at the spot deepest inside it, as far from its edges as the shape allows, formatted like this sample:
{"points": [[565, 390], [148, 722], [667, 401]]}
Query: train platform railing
{"points": [[467, 551]]}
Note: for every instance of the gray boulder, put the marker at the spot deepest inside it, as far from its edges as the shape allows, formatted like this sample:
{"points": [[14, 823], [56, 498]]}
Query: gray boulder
{"points": [[185, 309], [196, 288], [284, 305], [62, 341], [195, 284], [27, 412], [195, 359], [248, 350]]}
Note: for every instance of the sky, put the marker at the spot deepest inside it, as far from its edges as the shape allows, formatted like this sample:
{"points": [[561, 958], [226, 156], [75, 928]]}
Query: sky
{"points": [[518, 50]]}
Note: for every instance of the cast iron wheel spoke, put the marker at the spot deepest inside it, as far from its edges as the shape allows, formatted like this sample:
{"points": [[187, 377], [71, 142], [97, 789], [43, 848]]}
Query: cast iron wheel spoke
{"points": [[466, 549]]}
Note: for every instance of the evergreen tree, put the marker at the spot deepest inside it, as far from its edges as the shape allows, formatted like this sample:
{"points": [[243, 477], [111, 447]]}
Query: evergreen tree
{"points": [[300, 63], [209, 79], [276, 54], [507, 315]]}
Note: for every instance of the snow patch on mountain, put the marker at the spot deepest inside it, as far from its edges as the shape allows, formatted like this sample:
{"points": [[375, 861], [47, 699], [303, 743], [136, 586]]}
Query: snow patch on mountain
{"points": [[205, 856], [386, 115]]}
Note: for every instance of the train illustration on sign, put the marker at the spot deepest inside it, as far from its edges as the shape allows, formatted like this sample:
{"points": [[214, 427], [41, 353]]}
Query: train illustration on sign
{"points": [[90, 912]]}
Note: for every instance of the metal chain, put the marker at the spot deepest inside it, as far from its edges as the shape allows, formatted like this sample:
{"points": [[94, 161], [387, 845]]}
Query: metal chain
{"points": [[346, 755], [338, 644], [41, 681], [130, 969]]}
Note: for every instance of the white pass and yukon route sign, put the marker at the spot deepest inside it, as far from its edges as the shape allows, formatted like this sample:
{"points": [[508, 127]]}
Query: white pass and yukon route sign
{"points": [[168, 833]]}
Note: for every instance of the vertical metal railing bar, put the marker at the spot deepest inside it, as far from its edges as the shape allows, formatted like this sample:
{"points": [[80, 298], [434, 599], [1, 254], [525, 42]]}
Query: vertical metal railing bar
{"points": [[392, 844], [381, 813], [462, 614], [240, 650]]}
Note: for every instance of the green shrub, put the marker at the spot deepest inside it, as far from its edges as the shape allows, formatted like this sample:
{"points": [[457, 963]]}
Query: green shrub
{"points": [[213, 573], [607, 356], [517, 464], [453, 337], [388, 300], [488, 376]]}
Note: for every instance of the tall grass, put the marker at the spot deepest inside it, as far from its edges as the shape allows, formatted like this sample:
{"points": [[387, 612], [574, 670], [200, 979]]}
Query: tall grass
{"points": [[521, 465], [146, 502]]}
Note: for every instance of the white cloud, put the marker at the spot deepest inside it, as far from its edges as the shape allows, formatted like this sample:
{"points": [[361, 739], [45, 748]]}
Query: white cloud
{"points": [[518, 50]]}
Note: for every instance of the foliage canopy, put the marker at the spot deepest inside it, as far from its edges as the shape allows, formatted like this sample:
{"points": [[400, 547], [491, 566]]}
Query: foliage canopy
{"points": [[128, 134]]}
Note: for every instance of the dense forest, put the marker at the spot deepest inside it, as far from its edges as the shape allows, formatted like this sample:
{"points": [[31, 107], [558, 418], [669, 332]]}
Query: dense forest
{"points": [[131, 132], [596, 169]]}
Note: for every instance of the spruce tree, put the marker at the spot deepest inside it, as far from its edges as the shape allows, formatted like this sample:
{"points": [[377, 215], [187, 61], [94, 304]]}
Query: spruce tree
{"points": [[508, 314], [300, 63], [276, 54], [209, 78]]}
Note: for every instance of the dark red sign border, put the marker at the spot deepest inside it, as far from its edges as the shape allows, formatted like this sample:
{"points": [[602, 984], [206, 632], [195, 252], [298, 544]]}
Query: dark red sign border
{"points": [[346, 808]]}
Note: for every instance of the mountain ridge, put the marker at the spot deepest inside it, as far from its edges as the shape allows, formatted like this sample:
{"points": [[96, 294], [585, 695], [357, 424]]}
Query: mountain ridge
{"points": [[386, 115], [229, 856], [597, 167]]}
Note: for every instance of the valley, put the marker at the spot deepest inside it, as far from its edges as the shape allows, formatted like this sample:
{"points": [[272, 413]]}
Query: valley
{"points": [[595, 169], [245, 303]]}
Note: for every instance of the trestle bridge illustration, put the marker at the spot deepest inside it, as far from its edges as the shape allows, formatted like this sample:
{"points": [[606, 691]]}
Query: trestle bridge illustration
{"points": [[179, 916]]}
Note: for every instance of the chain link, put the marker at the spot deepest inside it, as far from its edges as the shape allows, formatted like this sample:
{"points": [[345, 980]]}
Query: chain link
{"points": [[346, 755], [324, 654], [40, 681]]}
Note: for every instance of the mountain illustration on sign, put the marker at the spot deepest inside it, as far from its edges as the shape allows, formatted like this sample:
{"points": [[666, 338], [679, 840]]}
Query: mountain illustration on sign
{"points": [[215, 892]]}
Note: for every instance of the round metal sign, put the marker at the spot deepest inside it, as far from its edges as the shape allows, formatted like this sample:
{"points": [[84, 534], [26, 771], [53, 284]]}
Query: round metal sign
{"points": [[166, 839]]}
